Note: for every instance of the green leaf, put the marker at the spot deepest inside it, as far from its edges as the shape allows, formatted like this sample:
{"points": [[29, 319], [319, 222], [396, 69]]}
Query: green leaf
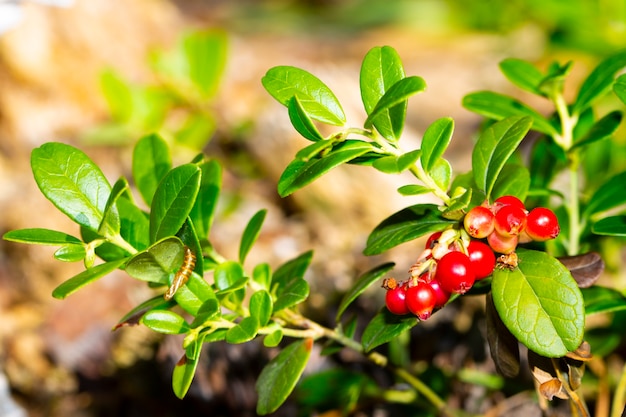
{"points": [[151, 162], [610, 195], [364, 282], [394, 96], [70, 253], [317, 100], [262, 275], [273, 338], [395, 164], [315, 149], [38, 236], [441, 173], [380, 70], [228, 275], [384, 327], [196, 130], [173, 200], [203, 210], [413, 189], [599, 299], [134, 224], [540, 303], [619, 88], [602, 129], [404, 226], [280, 375], [294, 293], [158, 262], [291, 271], [193, 296], [244, 331], [523, 74], [261, 306], [514, 180], [78, 281], [610, 226], [497, 106], [250, 234], [136, 313], [435, 142], [301, 120], [72, 182], [598, 82], [493, 149], [111, 223], [206, 55], [117, 94], [183, 374], [165, 321], [299, 173]]}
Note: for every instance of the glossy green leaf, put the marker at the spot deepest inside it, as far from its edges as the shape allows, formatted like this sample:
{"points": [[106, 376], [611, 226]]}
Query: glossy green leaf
{"points": [[294, 293], [380, 70], [158, 262], [317, 100], [165, 321], [291, 271], [280, 375], [619, 88], [134, 224], [187, 234], [413, 189], [599, 81], [151, 161], [70, 253], [393, 164], [173, 201], [610, 195], [514, 180], [86, 277], [244, 331], [193, 296], [435, 142], [610, 226], [522, 73], [261, 306], [274, 338], [251, 233], [363, 283], [494, 147], [441, 173], [209, 310], [384, 327], [183, 374], [39, 236], [301, 120], [314, 150], [540, 303], [206, 55], [72, 182], [404, 226], [111, 223], [300, 173], [134, 316], [227, 274], [203, 210], [459, 205], [497, 106], [262, 275], [599, 299], [394, 96], [601, 130]]}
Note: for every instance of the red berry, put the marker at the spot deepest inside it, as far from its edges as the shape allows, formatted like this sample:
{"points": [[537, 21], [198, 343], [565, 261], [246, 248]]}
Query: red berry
{"points": [[508, 200], [510, 221], [482, 258], [478, 222], [395, 300], [441, 296], [432, 239], [542, 224], [502, 244], [455, 273], [421, 299]]}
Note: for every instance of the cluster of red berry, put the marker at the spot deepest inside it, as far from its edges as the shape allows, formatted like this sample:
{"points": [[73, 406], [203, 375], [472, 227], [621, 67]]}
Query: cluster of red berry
{"points": [[455, 258]]}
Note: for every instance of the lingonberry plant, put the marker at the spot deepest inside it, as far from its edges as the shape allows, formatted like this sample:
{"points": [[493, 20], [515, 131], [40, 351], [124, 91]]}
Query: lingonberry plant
{"points": [[497, 230]]}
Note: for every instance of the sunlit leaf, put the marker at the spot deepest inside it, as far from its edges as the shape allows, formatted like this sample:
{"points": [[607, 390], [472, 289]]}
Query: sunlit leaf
{"points": [[395, 95], [86, 277], [363, 283], [435, 142], [151, 161], [301, 120], [599, 81], [250, 234], [165, 321], [384, 327]]}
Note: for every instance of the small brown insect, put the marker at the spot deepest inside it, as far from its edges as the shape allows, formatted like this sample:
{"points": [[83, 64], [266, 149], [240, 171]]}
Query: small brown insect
{"points": [[183, 274]]}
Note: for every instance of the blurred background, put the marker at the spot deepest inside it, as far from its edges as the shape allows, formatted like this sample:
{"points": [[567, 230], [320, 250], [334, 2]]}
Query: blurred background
{"points": [[99, 74]]}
